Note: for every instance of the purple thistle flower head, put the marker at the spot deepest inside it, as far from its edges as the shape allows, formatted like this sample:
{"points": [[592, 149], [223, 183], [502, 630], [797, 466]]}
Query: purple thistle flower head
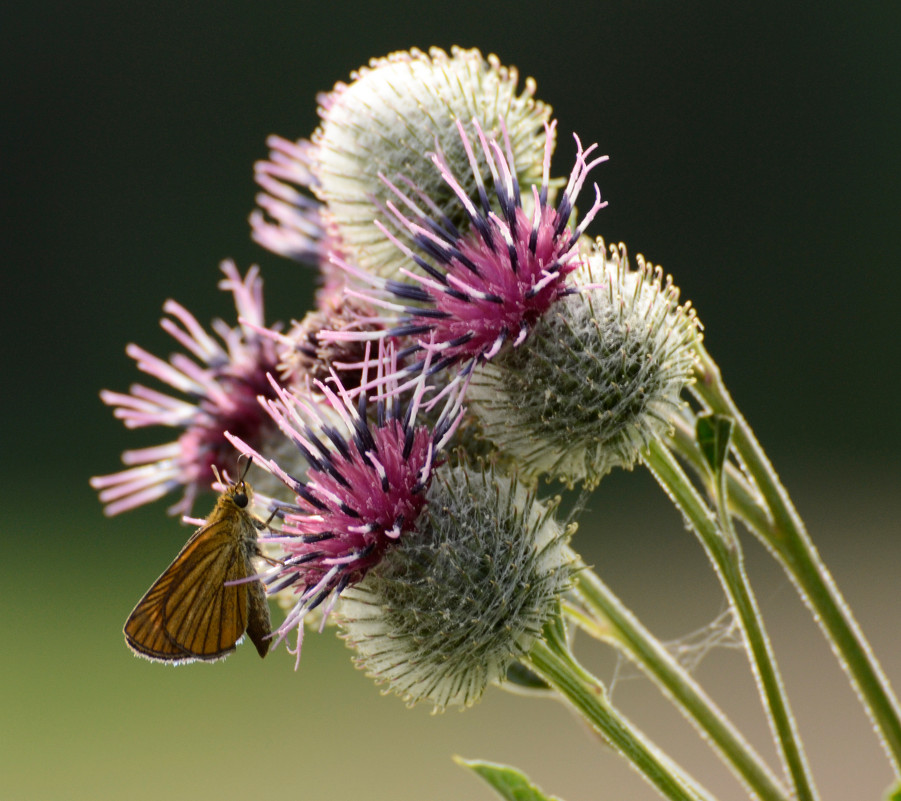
{"points": [[491, 284], [221, 384], [364, 489]]}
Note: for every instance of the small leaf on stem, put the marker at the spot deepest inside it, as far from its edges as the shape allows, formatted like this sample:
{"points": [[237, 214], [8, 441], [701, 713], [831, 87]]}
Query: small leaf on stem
{"points": [[714, 432], [508, 782]]}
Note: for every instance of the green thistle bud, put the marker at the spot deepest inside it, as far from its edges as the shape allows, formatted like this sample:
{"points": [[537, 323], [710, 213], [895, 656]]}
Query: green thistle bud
{"points": [[600, 377], [449, 609], [394, 114]]}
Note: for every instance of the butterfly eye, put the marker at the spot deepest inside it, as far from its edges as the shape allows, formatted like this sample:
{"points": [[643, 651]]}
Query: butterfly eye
{"points": [[240, 499]]}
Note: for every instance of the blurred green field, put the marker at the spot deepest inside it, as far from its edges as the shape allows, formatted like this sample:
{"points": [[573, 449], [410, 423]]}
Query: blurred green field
{"points": [[84, 719]]}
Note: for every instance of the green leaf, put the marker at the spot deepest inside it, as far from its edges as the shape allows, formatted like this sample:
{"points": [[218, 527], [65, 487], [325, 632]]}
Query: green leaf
{"points": [[713, 432], [526, 679], [894, 793], [509, 783]]}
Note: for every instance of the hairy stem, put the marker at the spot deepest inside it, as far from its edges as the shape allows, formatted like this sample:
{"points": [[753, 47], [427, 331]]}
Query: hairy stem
{"points": [[726, 556], [783, 532], [628, 634], [552, 660]]}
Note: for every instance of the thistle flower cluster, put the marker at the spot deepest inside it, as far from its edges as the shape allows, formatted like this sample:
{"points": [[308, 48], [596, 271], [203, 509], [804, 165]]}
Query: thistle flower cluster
{"points": [[452, 265]]}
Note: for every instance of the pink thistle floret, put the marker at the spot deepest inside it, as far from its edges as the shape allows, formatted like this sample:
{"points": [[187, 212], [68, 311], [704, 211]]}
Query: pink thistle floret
{"points": [[288, 221], [364, 489], [221, 380], [491, 285]]}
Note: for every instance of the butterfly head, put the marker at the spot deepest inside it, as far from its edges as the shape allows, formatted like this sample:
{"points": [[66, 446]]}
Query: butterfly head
{"points": [[240, 493]]}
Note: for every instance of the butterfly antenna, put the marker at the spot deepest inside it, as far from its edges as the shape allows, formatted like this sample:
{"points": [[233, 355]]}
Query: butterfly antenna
{"points": [[246, 469]]}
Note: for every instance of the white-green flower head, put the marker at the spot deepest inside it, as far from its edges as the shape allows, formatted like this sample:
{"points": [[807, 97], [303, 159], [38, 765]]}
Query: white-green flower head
{"points": [[601, 377], [448, 610], [388, 120]]}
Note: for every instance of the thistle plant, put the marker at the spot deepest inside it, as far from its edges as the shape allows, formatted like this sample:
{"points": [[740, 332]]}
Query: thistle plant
{"points": [[470, 343]]}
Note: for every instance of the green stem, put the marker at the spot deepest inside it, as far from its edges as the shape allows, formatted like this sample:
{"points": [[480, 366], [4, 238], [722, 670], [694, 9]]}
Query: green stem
{"points": [[787, 538], [726, 556], [646, 651], [553, 661]]}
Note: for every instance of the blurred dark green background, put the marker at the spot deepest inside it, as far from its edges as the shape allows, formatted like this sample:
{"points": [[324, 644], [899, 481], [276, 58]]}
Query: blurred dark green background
{"points": [[754, 153]]}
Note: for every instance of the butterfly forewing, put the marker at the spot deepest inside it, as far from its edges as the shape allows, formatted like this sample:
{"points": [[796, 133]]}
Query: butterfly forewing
{"points": [[206, 617], [193, 611]]}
